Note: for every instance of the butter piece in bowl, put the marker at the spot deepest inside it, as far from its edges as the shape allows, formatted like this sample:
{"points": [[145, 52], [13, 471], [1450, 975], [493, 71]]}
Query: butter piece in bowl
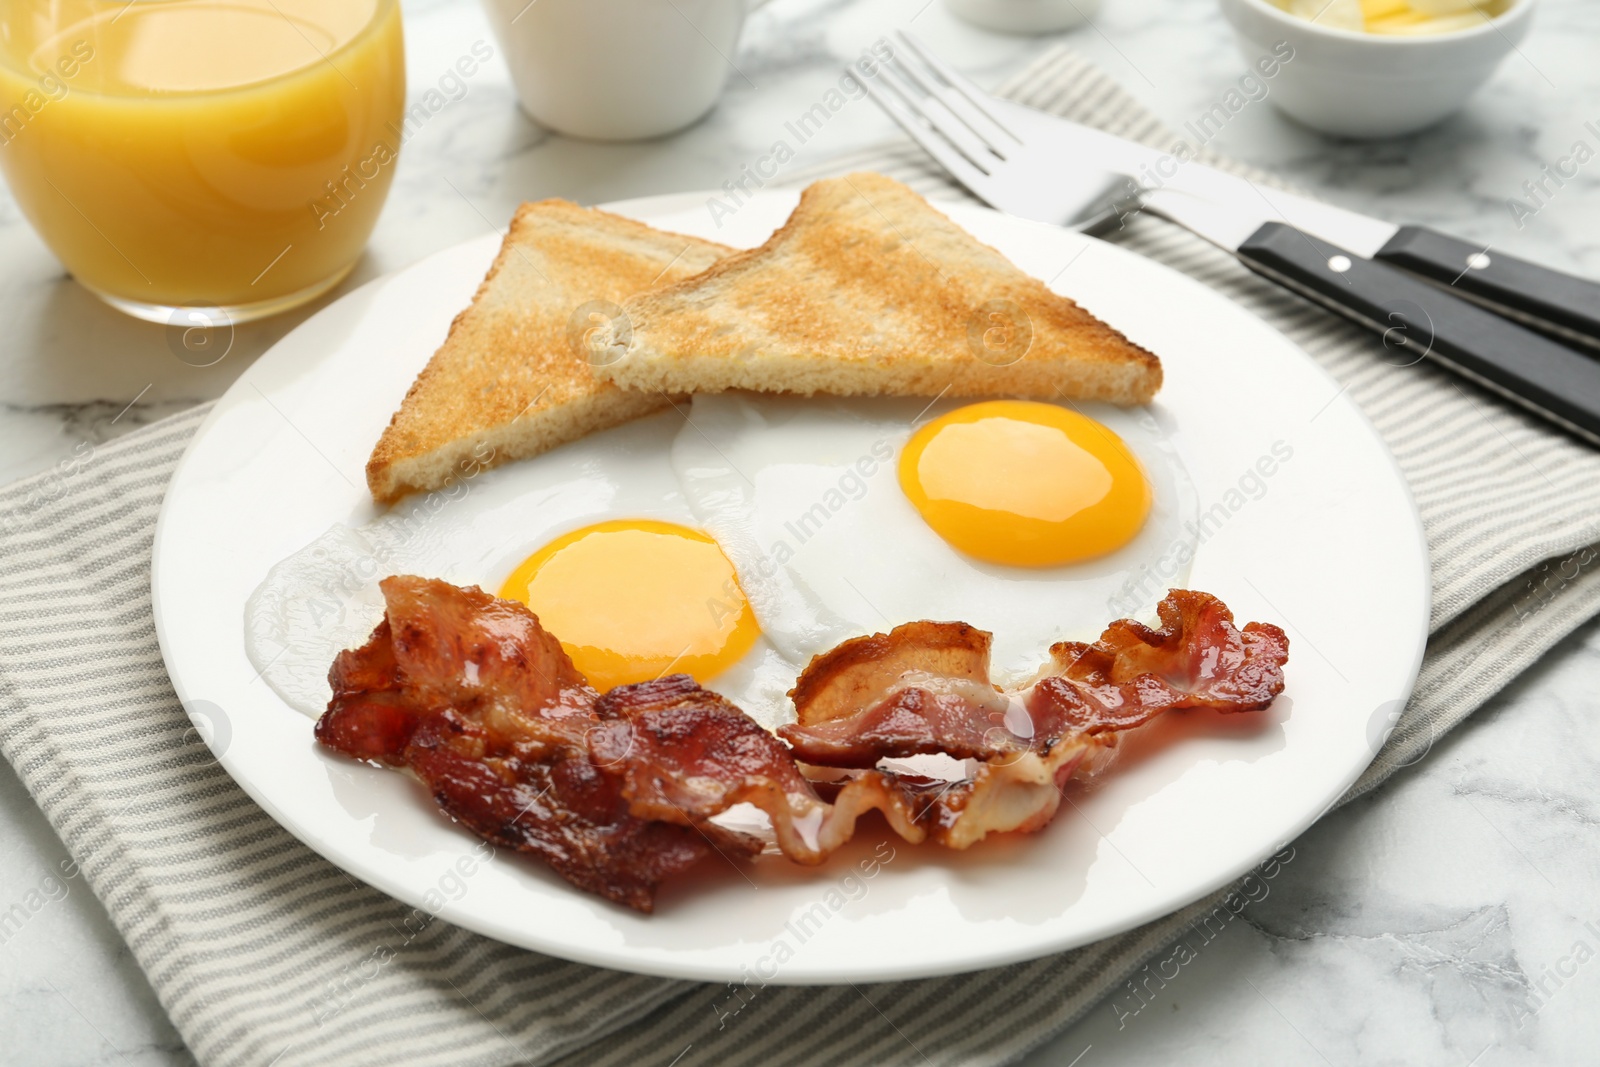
{"points": [[1400, 17], [1377, 68]]}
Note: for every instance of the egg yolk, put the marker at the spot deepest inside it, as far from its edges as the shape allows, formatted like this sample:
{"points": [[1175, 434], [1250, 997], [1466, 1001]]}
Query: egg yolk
{"points": [[634, 599], [1025, 483]]}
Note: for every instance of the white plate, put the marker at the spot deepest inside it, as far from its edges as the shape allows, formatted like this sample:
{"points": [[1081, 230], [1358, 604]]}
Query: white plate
{"points": [[1330, 548]]}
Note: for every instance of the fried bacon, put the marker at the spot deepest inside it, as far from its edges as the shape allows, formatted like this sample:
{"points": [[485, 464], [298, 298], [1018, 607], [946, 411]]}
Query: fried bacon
{"points": [[687, 755], [921, 688], [1197, 659], [621, 791], [873, 697], [876, 697], [472, 696]]}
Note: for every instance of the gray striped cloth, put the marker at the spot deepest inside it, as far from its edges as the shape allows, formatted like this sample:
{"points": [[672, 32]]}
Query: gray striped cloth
{"points": [[263, 953]]}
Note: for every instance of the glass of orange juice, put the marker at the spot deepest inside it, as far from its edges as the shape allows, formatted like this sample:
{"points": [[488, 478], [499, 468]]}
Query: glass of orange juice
{"points": [[222, 154]]}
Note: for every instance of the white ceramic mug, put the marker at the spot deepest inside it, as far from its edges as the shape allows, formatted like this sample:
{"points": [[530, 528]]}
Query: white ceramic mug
{"points": [[619, 70]]}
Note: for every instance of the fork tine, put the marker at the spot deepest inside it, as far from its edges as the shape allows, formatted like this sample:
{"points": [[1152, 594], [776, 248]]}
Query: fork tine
{"points": [[935, 115], [944, 151], [954, 105], [975, 96]]}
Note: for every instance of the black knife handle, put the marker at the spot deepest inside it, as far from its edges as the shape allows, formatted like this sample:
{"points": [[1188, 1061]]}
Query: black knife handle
{"points": [[1422, 320], [1539, 296]]}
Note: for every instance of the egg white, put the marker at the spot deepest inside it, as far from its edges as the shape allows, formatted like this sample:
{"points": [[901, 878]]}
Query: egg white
{"points": [[804, 497], [325, 597], [801, 494]]}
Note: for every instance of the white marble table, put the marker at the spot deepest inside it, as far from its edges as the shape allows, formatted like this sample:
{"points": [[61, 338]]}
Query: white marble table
{"points": [[1450, 918]]}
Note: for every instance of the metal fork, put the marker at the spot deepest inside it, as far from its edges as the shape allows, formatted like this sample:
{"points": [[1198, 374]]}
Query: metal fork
{"points": [[1005, 155], [987, 149]]}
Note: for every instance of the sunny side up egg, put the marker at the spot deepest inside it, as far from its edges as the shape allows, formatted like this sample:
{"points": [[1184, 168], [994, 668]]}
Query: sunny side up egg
{"points": [[596, 536], [736, 544], [845, 517]]}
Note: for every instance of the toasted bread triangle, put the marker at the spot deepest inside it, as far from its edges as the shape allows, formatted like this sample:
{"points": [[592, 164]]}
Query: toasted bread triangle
{"points": [[868, 289], [509, 382]]}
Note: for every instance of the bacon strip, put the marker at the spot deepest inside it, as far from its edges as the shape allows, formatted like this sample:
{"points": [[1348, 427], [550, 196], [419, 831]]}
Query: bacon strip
{"points": [[473, 696], [895, 708], [873, 697], [687, 755], [1017, 793], [921, 688], [1197, 659], [621, 791], [562, 809]]}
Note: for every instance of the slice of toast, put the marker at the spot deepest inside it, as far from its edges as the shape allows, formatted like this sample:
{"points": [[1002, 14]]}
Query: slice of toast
{"points": [[511, 379], [868, 289]]}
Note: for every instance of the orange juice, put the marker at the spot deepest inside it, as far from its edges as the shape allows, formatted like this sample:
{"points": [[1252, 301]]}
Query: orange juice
{"points": [[222, 153]]}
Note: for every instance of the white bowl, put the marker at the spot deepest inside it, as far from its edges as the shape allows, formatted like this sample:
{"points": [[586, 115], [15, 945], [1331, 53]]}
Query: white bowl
{"points": [[1025, 16], [1373, 85]]}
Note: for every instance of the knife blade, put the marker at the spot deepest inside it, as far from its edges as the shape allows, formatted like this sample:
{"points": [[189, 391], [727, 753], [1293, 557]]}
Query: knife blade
{"points": [[1558, 303]]}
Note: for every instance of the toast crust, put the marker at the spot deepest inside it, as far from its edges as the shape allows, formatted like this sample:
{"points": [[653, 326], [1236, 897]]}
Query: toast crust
{"points": [[867, 289], [509, 382]]}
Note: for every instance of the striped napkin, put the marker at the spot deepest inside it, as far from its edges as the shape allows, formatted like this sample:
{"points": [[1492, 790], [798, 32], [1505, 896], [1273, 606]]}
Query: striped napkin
{"points": [[264, 953]]}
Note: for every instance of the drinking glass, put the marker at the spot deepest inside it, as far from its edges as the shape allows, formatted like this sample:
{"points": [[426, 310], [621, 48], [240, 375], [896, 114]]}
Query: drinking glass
{"points": [[223, 154]]}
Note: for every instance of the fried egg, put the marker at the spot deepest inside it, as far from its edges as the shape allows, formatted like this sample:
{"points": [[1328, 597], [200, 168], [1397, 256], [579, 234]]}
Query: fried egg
{"points": [[595, 537], [1037, 522], [736, 544]]}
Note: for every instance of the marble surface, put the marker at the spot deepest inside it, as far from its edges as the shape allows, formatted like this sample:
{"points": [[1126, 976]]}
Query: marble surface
{"points": [[1449, 918]]}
